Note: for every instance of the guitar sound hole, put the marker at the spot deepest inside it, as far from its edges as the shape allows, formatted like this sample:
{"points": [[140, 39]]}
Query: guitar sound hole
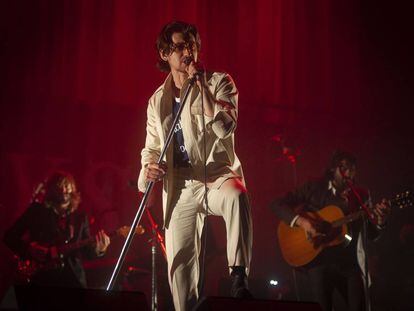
{"points": [[326, 237]]}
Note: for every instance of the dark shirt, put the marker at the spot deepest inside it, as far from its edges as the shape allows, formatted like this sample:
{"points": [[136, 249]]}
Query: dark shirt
{"points": [[315, 195], [43, 225], [181, 158]]}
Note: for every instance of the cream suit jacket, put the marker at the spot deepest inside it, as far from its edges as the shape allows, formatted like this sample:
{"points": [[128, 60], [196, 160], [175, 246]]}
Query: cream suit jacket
{"points": [[222, 162]]}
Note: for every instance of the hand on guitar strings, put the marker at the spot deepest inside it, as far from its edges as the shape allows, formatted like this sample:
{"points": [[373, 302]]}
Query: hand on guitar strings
{"points": [[313, 228], [38, 252], [307, 225]]}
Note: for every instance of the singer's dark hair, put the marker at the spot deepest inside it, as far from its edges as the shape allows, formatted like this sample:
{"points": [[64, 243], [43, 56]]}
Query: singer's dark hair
{"points": [[164, 40], [337, 157]]}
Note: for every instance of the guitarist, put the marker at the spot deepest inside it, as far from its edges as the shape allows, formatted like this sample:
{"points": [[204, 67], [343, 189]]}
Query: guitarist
{"points": [[53, 219], [337, 267]]}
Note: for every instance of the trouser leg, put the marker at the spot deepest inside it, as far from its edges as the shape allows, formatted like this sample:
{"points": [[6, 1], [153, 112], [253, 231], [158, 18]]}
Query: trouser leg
{"points": [[230, 201], [182, 246], [184, 232]]}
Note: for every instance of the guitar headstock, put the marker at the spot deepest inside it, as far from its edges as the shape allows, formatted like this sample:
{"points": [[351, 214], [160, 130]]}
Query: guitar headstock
{"points": [[124, 230], [403, 200]]}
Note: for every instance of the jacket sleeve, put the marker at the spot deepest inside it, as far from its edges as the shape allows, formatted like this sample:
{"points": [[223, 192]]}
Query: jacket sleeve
{"points": [[225, 108], [152, 149], [14, 237], [289, 206]]}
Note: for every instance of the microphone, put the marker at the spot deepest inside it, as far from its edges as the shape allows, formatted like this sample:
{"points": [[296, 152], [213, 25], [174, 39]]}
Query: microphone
{"points": [[187, 60]]}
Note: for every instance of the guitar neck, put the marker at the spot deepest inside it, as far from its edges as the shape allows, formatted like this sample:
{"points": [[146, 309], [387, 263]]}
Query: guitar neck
{"points": [[67, 248], [401, 200]]}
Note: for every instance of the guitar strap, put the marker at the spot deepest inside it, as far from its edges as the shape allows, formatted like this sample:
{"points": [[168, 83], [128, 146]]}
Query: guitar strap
{"points": [[352, 203]]}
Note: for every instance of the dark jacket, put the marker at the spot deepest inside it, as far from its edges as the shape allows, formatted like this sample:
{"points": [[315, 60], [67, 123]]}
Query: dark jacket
{"points": [[42, 225]]}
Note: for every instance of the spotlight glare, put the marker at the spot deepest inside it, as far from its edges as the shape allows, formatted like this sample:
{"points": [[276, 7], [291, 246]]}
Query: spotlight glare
{"points": [[273, 282]]}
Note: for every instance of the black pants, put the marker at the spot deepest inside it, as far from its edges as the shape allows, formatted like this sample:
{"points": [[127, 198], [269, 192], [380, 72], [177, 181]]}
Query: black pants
{"points": [[347, 280]]}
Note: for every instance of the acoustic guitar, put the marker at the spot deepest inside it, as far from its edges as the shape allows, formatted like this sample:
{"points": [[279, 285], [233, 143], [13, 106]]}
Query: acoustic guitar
{"points": [[27, 268], [298, 249]]}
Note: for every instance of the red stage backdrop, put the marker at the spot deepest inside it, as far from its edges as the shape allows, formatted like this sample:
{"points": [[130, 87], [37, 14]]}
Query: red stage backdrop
{"points": [[313, 75]]}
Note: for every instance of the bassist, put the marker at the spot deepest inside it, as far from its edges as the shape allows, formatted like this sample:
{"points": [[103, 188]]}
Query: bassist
{"points": [[52, 220]]}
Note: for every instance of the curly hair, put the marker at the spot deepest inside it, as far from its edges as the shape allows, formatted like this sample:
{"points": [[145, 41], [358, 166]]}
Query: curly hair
{"points": [[53, 189], [164, 40]]}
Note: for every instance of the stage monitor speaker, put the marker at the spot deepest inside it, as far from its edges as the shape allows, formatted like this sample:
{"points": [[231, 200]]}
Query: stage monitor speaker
{"points": [[61, 298], [225, 303]]}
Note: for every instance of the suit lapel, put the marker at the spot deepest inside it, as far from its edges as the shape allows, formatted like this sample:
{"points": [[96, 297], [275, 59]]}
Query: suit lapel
{"points": [[166, 107]]}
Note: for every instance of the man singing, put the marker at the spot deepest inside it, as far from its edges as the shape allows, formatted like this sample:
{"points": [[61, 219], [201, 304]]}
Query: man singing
{"points": [[200, 164]]}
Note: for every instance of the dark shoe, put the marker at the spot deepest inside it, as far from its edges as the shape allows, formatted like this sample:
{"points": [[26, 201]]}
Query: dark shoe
{"points": [[239, 287]]}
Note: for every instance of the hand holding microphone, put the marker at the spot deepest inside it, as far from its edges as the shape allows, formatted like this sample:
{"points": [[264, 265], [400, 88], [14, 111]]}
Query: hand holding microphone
{"points": [[194, 69]]}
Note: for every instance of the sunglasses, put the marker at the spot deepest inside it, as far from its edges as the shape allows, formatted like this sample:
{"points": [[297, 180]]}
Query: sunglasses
{"points": [[181, 46]]}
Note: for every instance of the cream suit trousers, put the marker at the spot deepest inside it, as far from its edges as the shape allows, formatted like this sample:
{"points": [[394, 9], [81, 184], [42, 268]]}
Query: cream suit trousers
{"points": [[183, 235]]}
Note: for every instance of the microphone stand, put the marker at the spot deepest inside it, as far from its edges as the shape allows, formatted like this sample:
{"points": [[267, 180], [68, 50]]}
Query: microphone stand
{"points": [[148, 190], [293, 161], [291, 157], [157, 237]]}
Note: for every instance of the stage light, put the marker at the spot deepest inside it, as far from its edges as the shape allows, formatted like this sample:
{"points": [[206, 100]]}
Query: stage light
{"points": [[273, 282], [348, 237]]}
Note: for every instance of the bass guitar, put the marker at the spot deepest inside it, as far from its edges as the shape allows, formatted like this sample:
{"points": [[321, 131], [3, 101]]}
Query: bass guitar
{"points": [[27, 268]]}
